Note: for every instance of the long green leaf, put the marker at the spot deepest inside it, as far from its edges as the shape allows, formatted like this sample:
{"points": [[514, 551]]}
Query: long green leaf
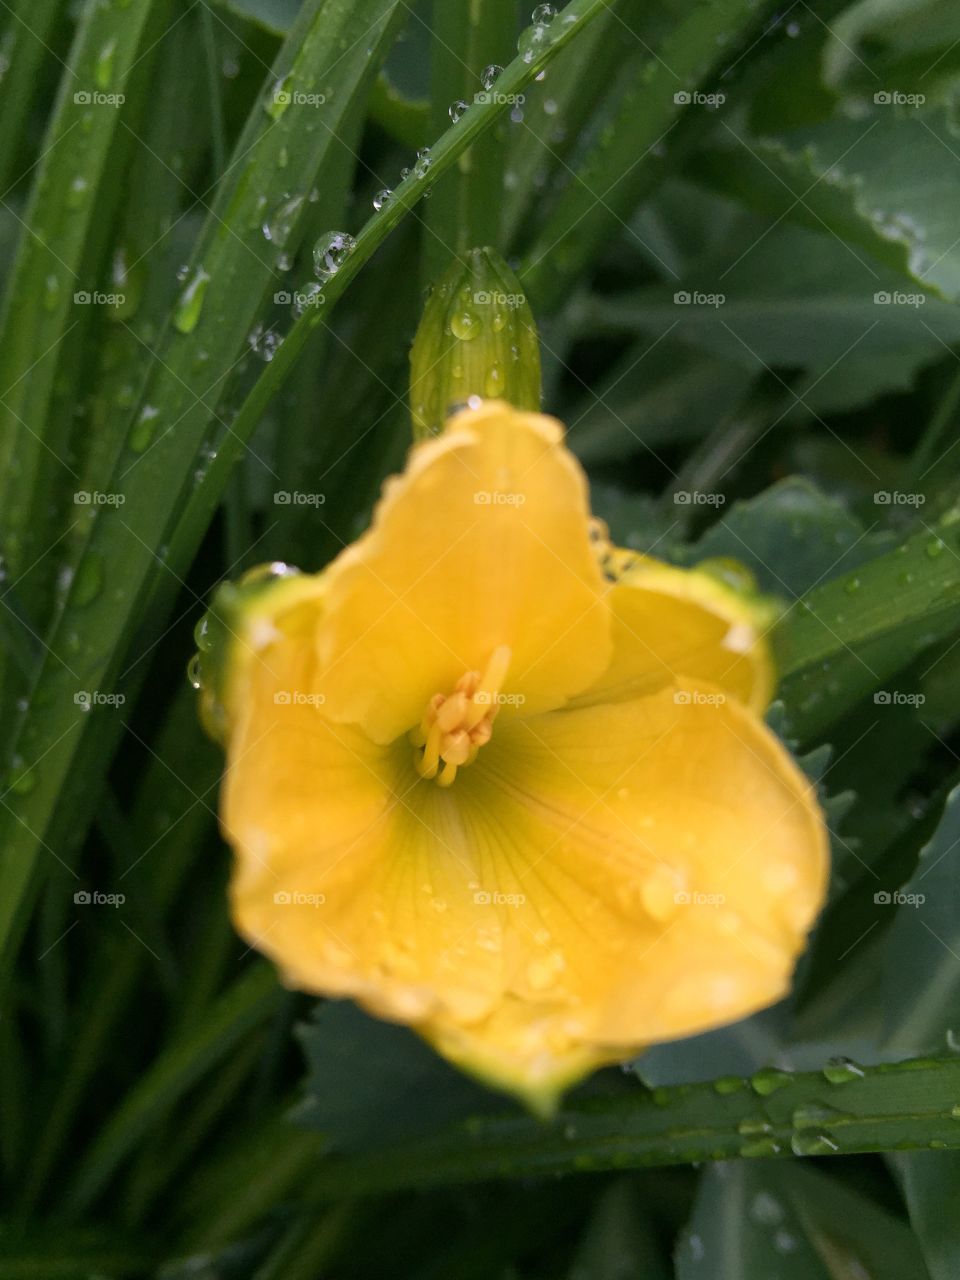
{"points": [[51, 737], [910, 1105]]}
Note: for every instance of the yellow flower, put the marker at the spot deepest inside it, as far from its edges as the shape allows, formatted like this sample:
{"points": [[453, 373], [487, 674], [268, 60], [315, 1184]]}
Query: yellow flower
{"points": [[494, 778]]}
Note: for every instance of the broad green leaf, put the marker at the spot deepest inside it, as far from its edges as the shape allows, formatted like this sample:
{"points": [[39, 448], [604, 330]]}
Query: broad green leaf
{"points": [[850, 634], [909, 45], [370, 1083], [792, 537], [757, 1223], [921, 960], [793, 300], [888, 183], [931, 1188]]}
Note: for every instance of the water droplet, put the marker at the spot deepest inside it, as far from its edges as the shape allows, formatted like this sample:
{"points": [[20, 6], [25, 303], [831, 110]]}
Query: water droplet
{"points": [[543, 14], [264, 342], [751, 1125], [23, 780], [331, 252], [103, 67], [422, 162], [278, 98], [841, 1071], [768, 1081], [52, 291], [190, 303], [382, 198], [464, 325], [533, 41], [277, 227], [490, 75], [543, 973], [812, 1144], [851, 586], [815, 1116], [456, 110], [765, 1210], [143, 428], [935, 547], [493, 383], [77, 193], [784, 1242], [759, 1149], [194, 672], [87, 581]]}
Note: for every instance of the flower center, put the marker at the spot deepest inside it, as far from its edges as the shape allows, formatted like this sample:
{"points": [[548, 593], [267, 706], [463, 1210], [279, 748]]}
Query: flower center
{"points": [[456, 725]]}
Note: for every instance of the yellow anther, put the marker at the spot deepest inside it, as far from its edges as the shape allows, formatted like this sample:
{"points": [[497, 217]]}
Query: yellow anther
{"points": [[454, 727]]}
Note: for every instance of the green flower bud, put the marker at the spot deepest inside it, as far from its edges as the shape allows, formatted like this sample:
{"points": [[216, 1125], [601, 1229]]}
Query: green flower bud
{"points": [[477, 337]]}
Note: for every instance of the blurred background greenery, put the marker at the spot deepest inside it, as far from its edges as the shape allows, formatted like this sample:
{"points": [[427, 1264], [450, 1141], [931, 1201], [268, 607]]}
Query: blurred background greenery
{"points": [[738, 226]]}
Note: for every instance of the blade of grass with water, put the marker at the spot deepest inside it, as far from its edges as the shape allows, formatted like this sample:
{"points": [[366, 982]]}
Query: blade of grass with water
{"points": [[163, 493]]}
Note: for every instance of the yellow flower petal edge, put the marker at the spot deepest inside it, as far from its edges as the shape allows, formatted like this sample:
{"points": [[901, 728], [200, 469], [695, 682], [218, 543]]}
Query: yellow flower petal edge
{"points": [[536, 816], [669, 622]]}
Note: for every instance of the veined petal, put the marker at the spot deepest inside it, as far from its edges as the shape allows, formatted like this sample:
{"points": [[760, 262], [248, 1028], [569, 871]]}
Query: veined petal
{"points": [[671, 859], [351, 872], [671, 623], [483, 542]]}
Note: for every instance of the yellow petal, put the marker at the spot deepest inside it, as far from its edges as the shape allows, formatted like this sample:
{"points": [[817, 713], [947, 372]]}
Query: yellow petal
{"points": [[351, 872], [482, 542], [671, 858], [673, 623]]}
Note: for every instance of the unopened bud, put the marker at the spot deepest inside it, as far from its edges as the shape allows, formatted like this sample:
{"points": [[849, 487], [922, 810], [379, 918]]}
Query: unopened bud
{"points": [[477, 337]]}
